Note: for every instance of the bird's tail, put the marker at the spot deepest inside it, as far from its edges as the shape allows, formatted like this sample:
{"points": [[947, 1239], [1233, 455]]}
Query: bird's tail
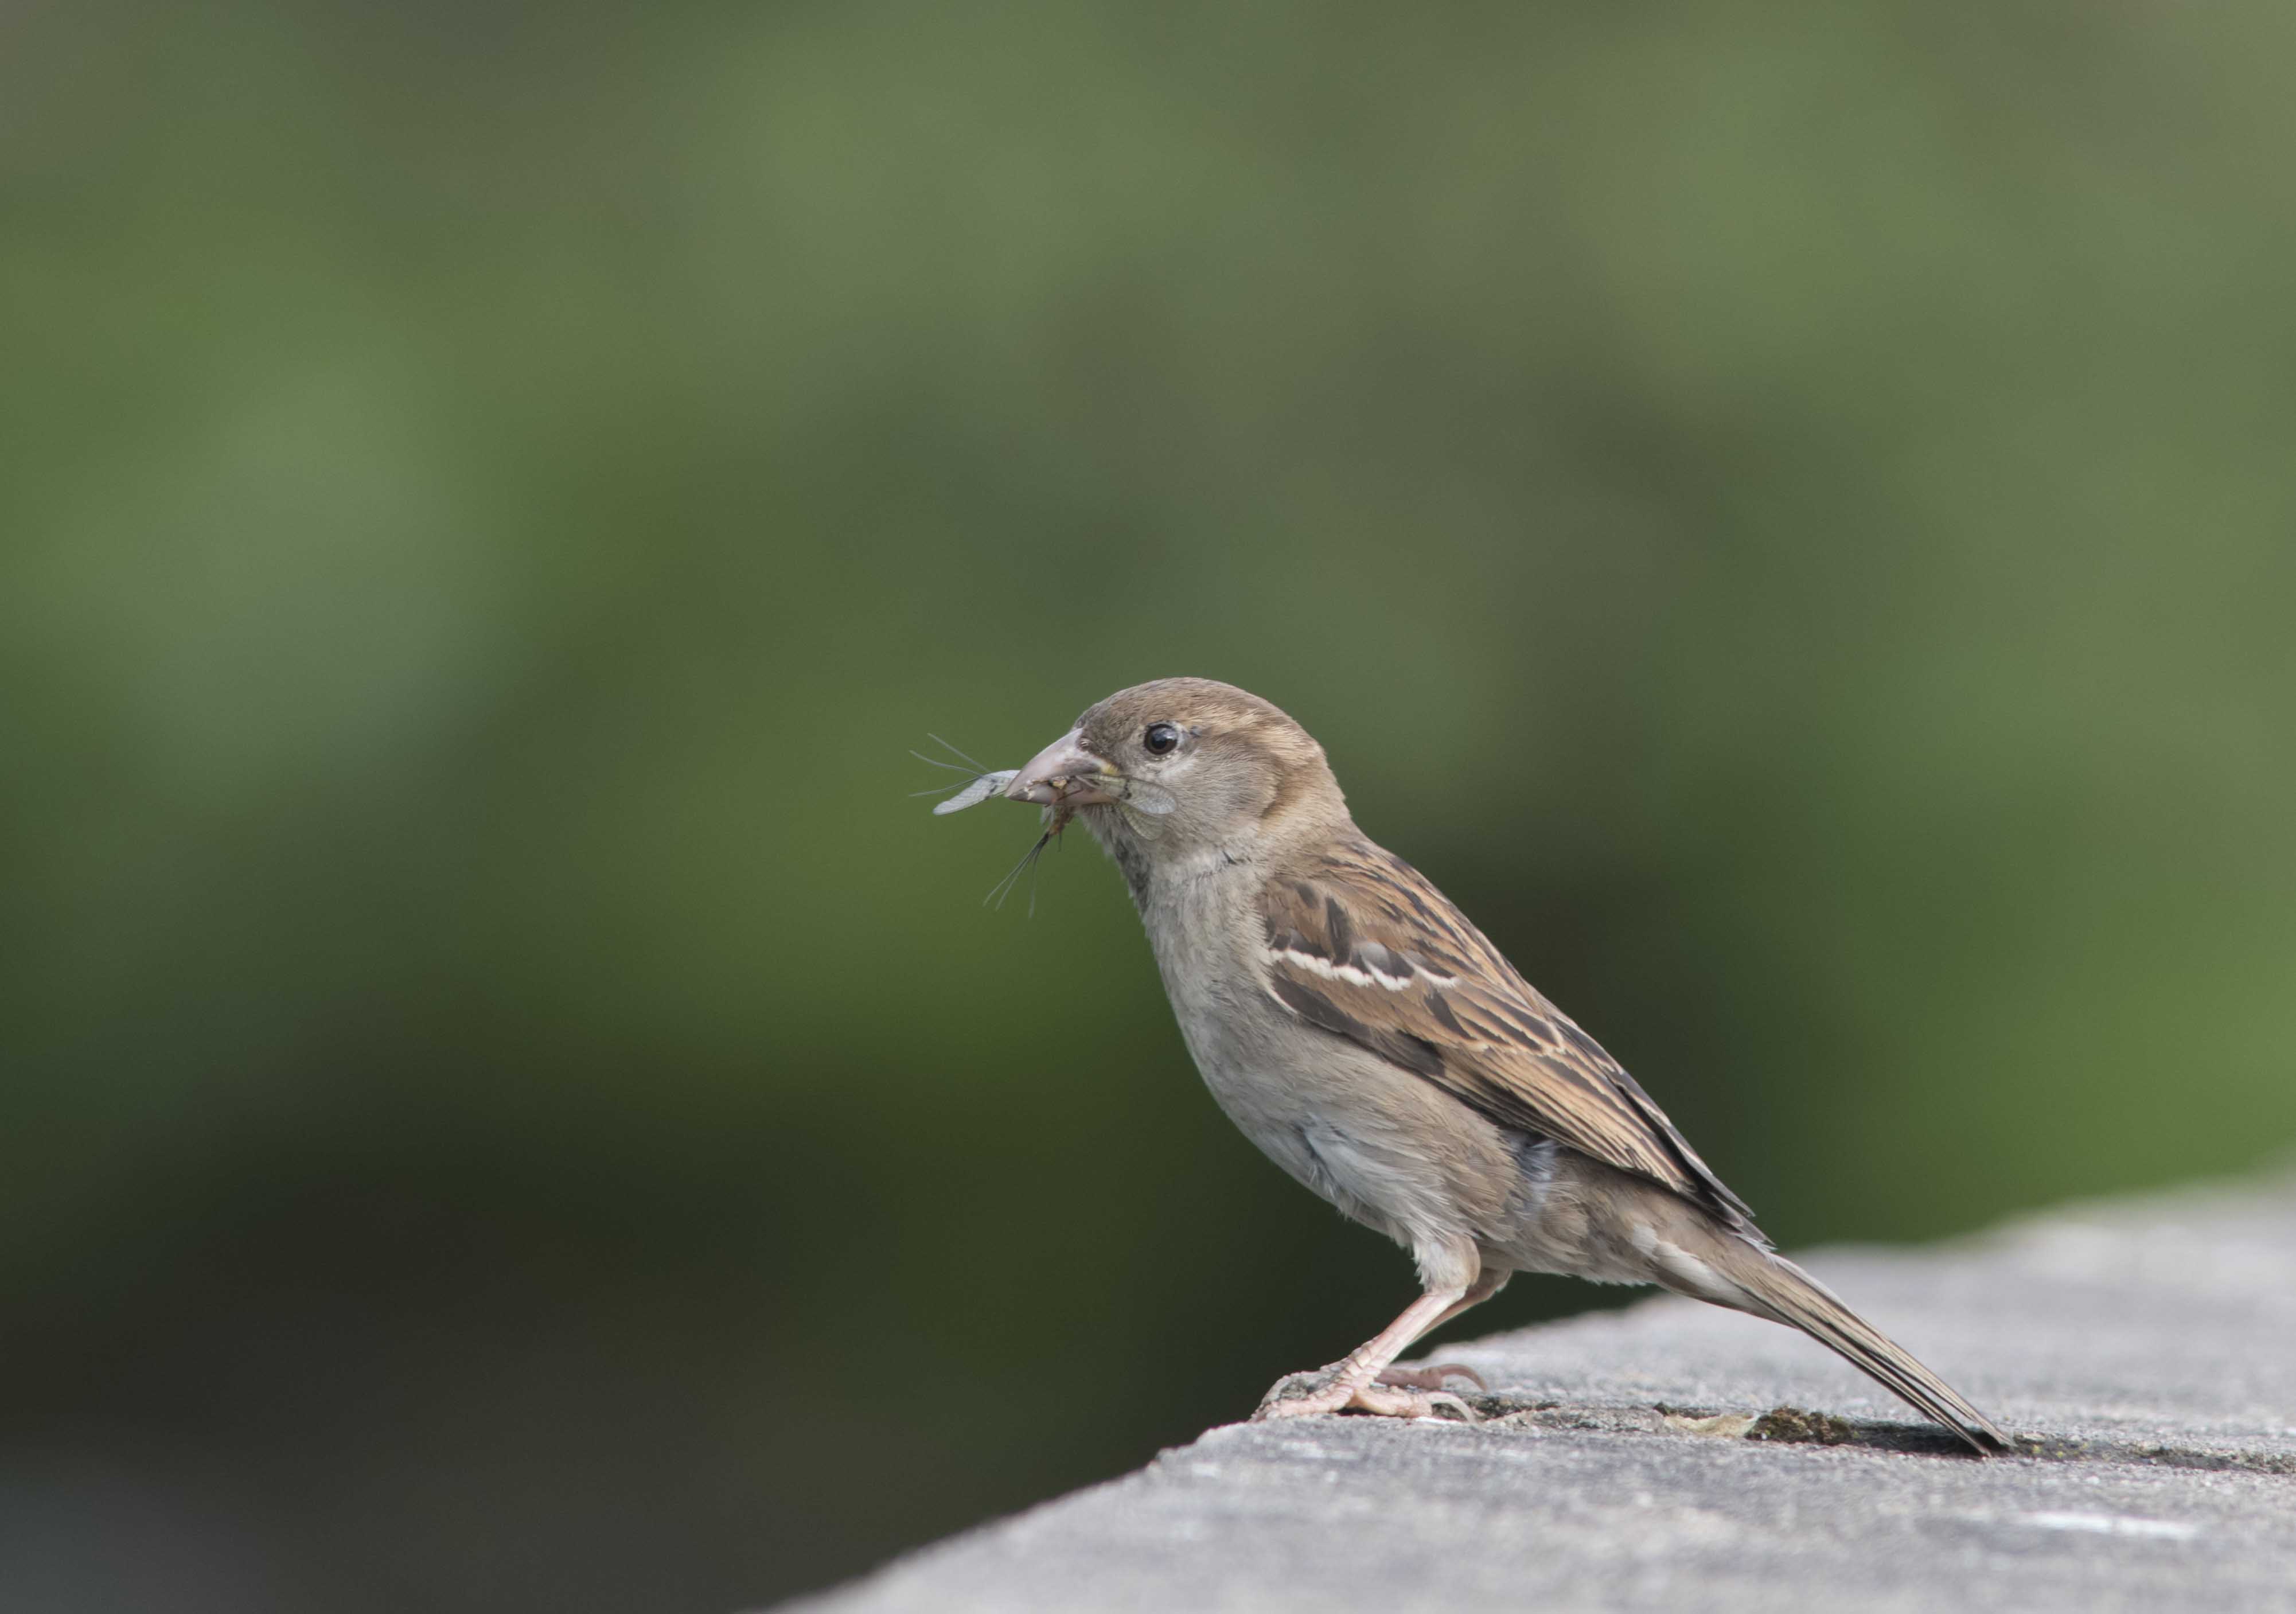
{"points": [[1783, 1292]]}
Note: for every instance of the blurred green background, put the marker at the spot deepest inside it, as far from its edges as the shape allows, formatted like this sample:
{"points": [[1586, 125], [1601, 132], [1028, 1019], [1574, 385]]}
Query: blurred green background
{"points": [[1785, 512]]}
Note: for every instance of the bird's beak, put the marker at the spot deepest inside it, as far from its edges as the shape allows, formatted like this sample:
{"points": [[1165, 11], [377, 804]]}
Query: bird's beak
{"points": [[1063, 772]]}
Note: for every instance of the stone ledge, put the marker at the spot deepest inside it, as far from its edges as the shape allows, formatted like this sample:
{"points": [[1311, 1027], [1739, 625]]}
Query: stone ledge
{"points": [[2144, 1351]]}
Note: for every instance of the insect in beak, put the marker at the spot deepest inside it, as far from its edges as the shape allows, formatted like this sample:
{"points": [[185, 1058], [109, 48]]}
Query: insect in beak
{"points": [[1064, 772], [1059, 808]]}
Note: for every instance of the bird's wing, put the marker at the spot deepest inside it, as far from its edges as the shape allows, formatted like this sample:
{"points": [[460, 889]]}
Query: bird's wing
{"points": [[1360, 945]]}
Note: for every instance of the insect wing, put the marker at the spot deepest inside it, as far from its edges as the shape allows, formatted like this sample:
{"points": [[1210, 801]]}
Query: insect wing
{"points": [[1146, 798], [980, 791]]}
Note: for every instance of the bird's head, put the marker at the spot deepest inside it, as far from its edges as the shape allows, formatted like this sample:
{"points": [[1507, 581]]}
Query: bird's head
{"points": [[1183, 765]]}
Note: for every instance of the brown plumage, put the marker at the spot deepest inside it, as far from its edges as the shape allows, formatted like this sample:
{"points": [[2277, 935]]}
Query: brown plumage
{"points": [[1366, 948], [1370, 1039]]}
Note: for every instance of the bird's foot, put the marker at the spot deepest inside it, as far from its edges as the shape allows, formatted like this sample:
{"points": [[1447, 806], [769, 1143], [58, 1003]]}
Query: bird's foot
{"points": [[1333, 1390]]}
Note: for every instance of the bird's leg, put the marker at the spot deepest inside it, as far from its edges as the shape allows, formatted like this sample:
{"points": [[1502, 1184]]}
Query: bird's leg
{"points": [[1431, 1376], [1353, 1381]]}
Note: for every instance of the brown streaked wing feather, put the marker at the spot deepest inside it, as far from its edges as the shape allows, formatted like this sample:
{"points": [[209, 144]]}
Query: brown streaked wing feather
{"points": [[1361, 945]]}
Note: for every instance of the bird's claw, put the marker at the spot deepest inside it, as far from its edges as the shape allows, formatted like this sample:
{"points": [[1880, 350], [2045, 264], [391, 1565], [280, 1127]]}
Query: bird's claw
{"points": [[1389, 1401], [1431, 1376], [1312, 1385], [1325, 1390]]}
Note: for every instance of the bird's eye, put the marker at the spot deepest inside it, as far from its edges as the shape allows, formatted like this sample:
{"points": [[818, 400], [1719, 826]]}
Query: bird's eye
{"points": [[1160, 738]]}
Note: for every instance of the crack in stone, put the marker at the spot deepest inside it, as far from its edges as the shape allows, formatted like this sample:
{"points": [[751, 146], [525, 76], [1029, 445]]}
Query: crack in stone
{"points": [[1794, 1426]]}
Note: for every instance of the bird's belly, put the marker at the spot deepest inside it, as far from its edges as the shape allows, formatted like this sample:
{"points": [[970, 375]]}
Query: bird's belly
{"points": [[1276, 1113], [1378, 1143]]}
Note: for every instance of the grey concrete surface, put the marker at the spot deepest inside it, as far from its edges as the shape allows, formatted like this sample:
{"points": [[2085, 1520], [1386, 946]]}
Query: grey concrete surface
{"points": [[2144, 1352]]}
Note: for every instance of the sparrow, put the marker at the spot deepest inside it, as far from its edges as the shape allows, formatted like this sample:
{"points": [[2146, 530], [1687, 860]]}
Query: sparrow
{"points": [[1359, 1029]]}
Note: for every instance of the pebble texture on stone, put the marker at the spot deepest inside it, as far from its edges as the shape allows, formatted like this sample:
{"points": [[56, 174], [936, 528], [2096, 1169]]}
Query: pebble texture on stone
{"points": [[2144, 1351]]}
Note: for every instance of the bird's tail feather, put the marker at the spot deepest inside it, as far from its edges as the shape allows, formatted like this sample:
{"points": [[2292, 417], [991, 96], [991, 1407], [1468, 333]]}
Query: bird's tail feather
{"points": [[1784, 1293]]}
